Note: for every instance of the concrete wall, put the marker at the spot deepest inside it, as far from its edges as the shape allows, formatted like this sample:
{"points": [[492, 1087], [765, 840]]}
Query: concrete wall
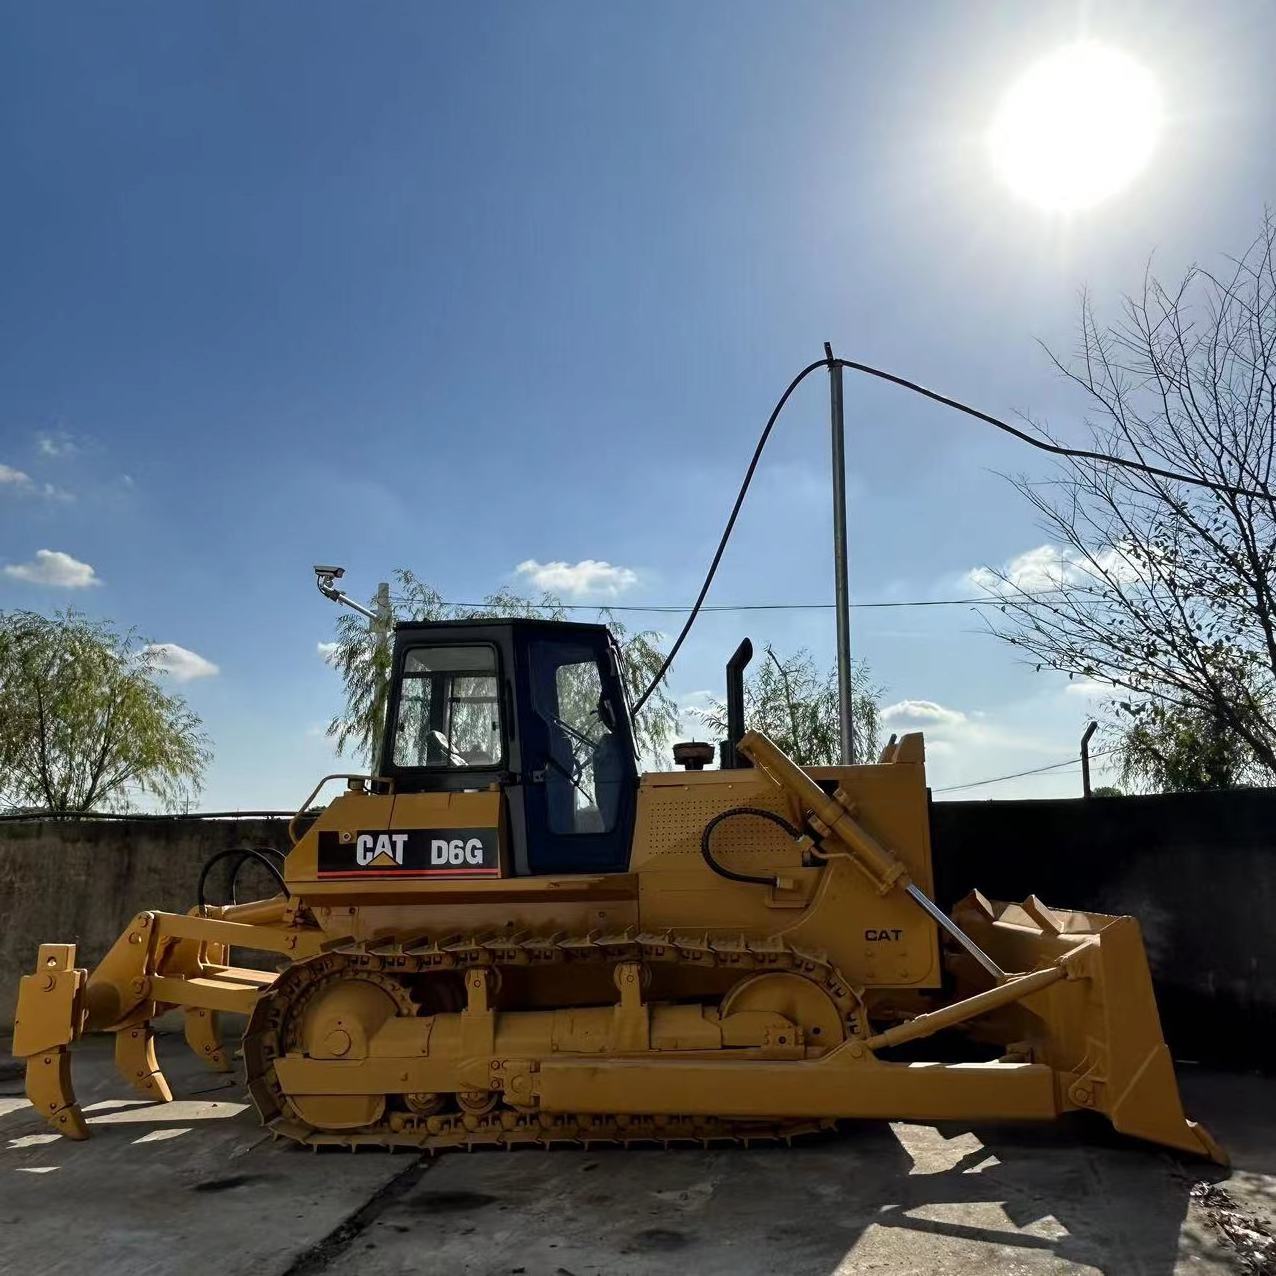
{"points": [[1199, 871], [81, 880]]}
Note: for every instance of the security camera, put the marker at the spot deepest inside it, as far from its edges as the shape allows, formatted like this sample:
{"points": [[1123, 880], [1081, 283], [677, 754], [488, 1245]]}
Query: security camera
{"points": [[326, 578]]}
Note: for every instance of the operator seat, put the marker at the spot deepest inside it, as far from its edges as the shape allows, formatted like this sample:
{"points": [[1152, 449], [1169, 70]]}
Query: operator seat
{"points": [[609, 779], [560, 792]]}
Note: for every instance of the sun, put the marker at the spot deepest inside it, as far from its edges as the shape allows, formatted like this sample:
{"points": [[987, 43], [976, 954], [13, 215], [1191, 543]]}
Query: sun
{"points": [[1076, 127]]}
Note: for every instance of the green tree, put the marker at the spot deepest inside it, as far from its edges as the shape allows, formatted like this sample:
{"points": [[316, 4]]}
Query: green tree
{"points": [[797, 706], [364, 649], [84, 725], [1167, 748]]}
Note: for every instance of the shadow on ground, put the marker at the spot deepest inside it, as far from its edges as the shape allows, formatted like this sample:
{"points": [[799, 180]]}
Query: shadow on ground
{"points": [[159, 1185], [882, 1198]]}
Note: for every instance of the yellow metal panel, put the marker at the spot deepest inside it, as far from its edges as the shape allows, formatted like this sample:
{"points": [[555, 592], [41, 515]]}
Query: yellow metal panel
{"points": [[48, 1013], [447, 810], [874, 939], [800, 1088], [211, 994], [355, 813], [349, 812], [299, 1075]]}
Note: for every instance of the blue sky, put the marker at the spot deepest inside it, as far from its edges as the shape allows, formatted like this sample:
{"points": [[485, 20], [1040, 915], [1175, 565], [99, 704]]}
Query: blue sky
{"points": [[455, 287]]}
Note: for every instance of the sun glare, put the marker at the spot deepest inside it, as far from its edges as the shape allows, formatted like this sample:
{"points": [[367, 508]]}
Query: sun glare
{"points": [[1076, 127]]}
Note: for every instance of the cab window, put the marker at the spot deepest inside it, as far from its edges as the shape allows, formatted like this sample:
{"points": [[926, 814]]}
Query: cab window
{"points": [[449, 708], [584, 775]]}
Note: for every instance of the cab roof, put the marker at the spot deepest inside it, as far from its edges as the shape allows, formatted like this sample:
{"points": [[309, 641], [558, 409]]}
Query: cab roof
{"points": [[410, 628]]}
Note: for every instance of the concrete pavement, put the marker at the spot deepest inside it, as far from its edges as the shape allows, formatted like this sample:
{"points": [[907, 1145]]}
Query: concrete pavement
{"points": [[195, 1186]]}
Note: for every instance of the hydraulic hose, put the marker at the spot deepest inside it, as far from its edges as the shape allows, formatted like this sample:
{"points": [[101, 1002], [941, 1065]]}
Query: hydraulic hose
{"points": [[267, 856], [759, 813]]}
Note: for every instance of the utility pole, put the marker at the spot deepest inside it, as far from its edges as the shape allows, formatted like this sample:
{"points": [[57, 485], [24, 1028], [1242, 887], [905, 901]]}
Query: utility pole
{"points": [[841, 582]]}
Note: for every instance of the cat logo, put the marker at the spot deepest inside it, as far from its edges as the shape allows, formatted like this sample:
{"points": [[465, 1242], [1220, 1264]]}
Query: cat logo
{"points": [[382, 850], [433, 852]]}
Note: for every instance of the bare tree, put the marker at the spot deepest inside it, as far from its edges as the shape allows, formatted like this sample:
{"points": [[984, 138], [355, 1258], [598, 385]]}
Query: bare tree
{"points": [[1161, 590]]}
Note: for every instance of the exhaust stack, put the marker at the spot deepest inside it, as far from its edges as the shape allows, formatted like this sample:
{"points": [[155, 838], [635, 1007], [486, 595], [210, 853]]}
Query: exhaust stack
{"points": [[730, 757]]}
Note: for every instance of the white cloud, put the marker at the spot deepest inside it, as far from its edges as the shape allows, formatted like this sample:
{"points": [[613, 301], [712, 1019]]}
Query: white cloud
{"points": [[920, 713], [1055, 567], [56, 444], [24, 485], [576, 580], [327, 651], [1089, 687], [1118, 564], [53, 567], [1029, 745], [966, 745], [693, 706], [180, 664]]}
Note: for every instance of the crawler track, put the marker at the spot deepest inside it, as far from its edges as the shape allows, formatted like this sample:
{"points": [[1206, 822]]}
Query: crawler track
{"points": [[402, 970]]}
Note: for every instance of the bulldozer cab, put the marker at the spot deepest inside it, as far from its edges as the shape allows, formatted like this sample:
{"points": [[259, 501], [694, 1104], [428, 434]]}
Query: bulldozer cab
{"points": [[535, 709]]}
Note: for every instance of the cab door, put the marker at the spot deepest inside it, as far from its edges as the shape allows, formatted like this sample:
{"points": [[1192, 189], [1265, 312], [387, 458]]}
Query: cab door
{"points": [[580, 773]]}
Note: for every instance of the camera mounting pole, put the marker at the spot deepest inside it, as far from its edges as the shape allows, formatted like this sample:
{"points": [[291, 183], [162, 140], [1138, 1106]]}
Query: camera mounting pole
{"points": [[326, 578]]}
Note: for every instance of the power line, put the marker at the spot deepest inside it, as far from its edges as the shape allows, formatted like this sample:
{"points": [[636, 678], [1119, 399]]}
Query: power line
{"points": [[729, 607], [1018, 775], [1056, 449], [682, 609]]}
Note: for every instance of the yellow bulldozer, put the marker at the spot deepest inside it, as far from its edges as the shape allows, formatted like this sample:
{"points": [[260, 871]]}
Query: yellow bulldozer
{"points": [[508, 936]]}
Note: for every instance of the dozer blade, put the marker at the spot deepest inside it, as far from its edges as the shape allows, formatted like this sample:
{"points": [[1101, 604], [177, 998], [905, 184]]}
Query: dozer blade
{"points": [[1099, 1029], [50, 1016]]}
